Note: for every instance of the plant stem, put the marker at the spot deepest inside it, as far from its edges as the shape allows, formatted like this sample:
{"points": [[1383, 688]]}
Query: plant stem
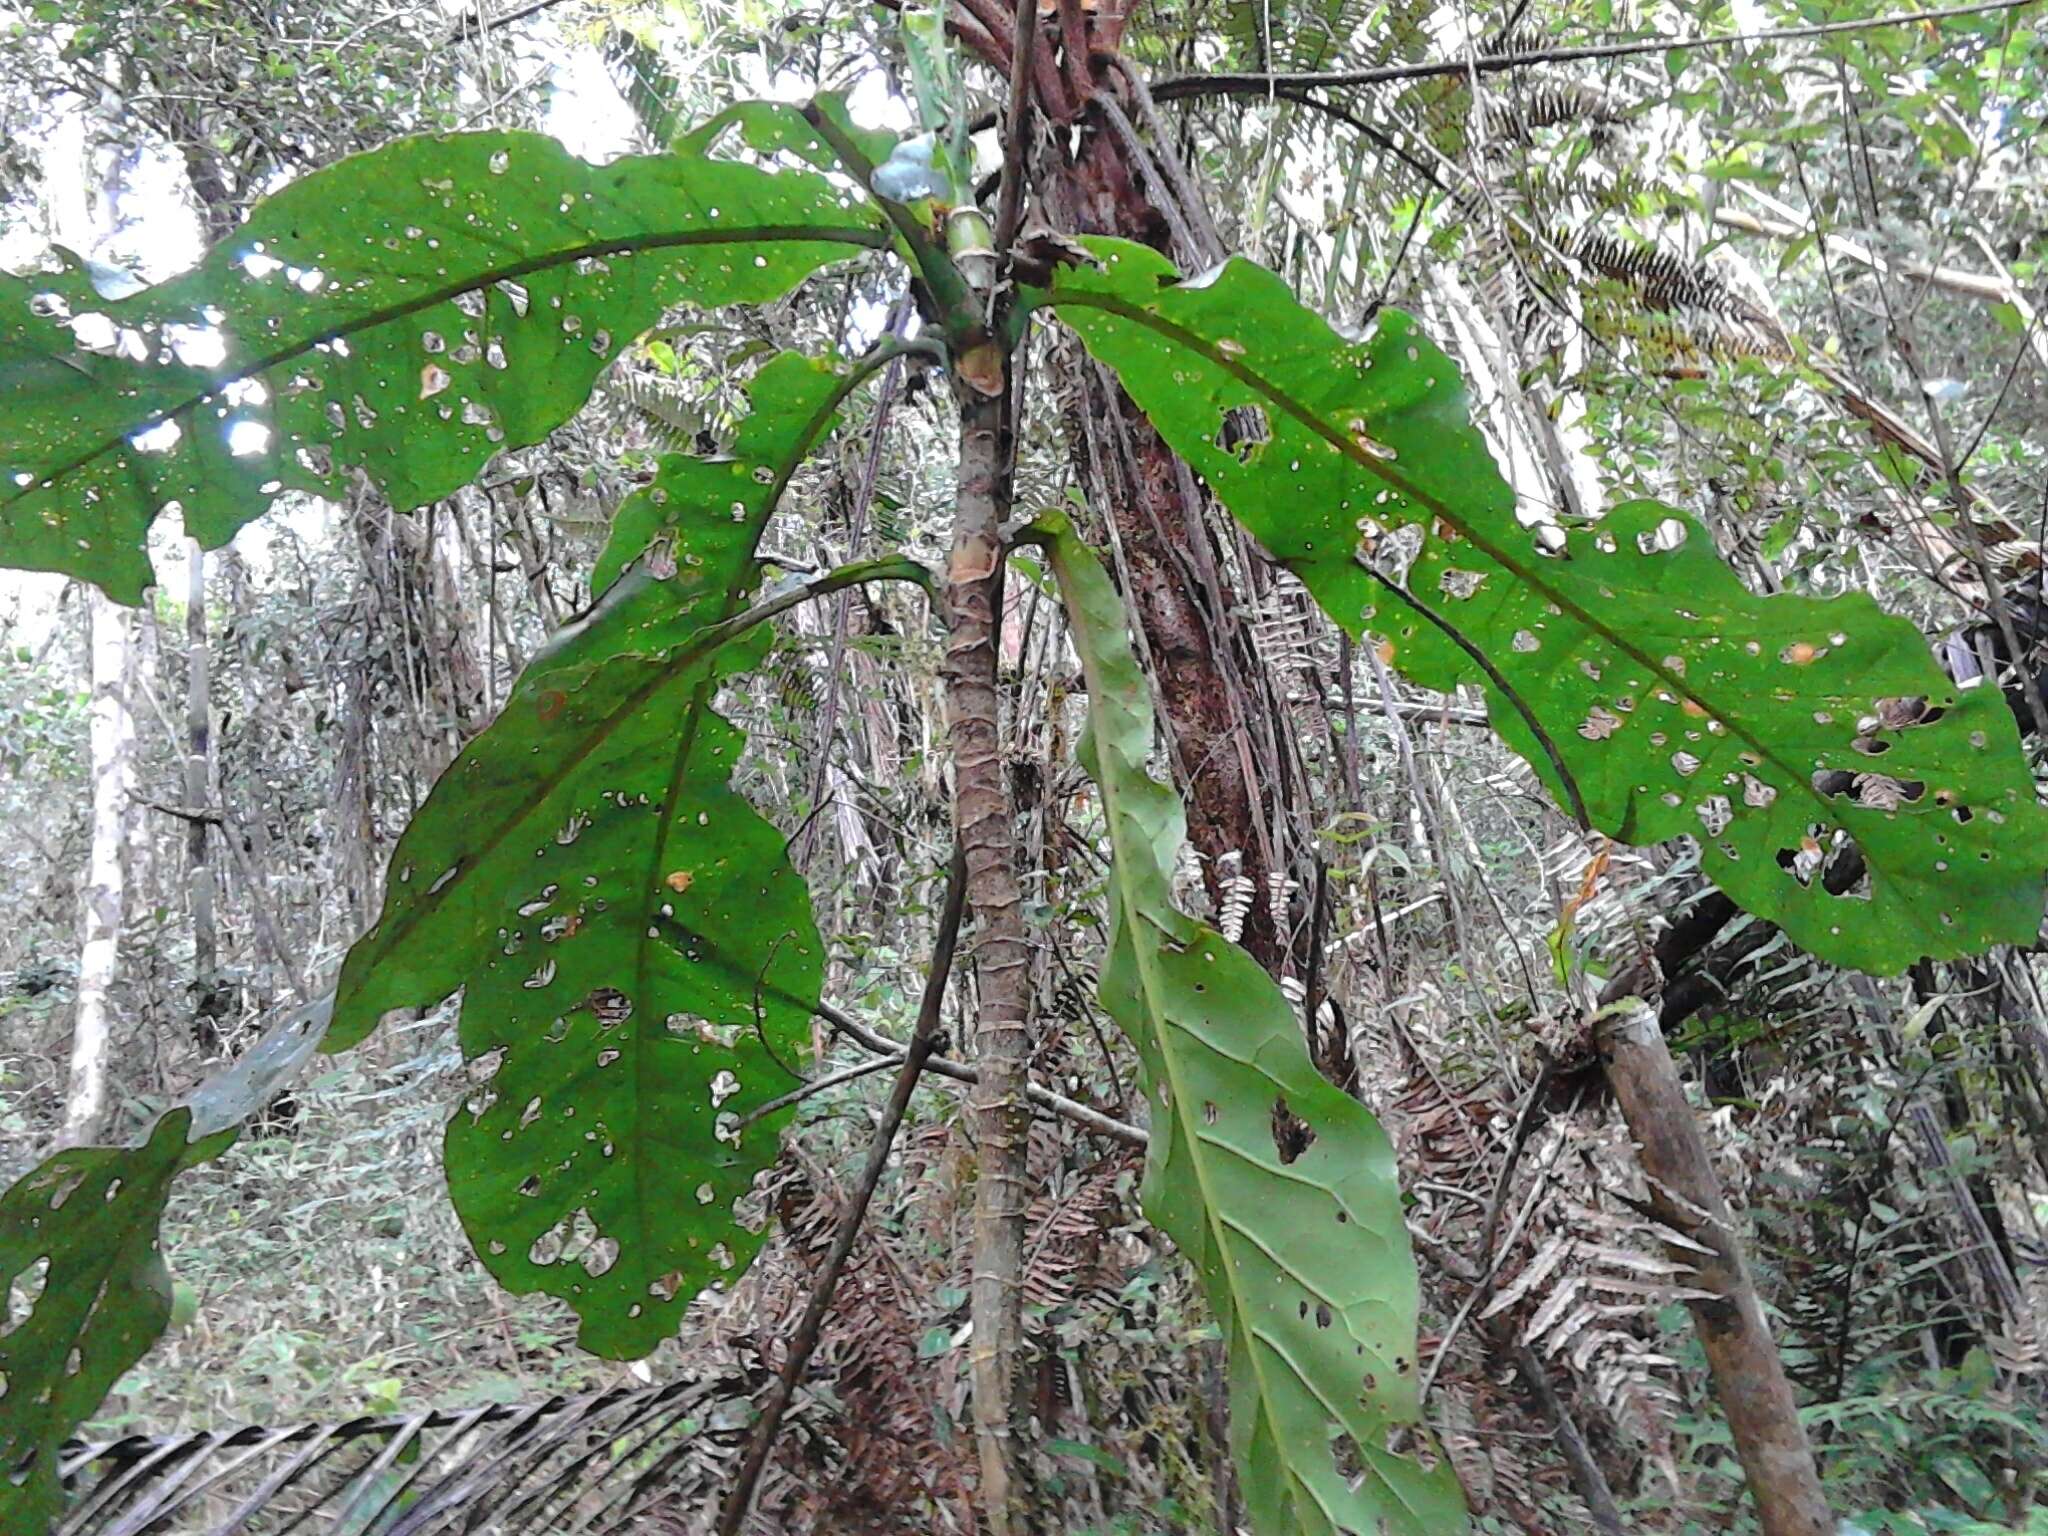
{"points": [[985, 825], [1089, 1119]]}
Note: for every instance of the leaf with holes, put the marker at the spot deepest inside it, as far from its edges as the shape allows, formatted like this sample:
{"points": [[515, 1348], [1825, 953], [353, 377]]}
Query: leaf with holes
{"points": [[1623, 659], [1278, 1187], [83, 1294], [409, 312], [638, 954]]}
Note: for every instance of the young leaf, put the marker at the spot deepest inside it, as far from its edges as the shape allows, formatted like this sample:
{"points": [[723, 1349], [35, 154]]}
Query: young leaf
{"points": [[408, 312], [639, 954], [78, 1240], [1624, 660], [1278, 1187]]}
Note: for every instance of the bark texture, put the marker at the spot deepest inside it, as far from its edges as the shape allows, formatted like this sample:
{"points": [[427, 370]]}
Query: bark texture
{"points": [[1204, 670], [208, 1002], [112, 731], [1749, 1379], [986, 827]]}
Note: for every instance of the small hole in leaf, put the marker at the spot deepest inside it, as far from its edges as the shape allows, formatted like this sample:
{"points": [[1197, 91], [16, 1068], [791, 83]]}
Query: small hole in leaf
{"points": [[1292, 1135]]}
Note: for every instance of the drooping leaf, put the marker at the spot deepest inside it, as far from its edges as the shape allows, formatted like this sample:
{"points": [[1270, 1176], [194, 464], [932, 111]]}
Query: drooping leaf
{"points": [[1623, 659], [408, 312], [83, 1294], [639, 954], [1278, 1187], [265, 1069]]}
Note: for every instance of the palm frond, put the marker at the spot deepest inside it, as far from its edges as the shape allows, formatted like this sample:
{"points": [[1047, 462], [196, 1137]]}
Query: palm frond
{"points": [[595, 1463]]}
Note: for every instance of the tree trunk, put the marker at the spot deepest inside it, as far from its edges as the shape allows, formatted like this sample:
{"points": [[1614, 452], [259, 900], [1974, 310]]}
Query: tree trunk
{"points": [[1749, 1379], [113, 784], [1180, 599], [207, 1002], [985, 825]]}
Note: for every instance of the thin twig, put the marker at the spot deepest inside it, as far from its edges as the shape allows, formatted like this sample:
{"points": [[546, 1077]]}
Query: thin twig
{"points": [[476, 26], [1083, 1115], [818, 1085], [1525, 1122], [924, 1039], [857, 520]]}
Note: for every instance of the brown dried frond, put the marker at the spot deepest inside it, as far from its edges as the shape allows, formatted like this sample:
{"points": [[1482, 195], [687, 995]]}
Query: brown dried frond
{"points": [[886, 1459], [1064, 1251]]}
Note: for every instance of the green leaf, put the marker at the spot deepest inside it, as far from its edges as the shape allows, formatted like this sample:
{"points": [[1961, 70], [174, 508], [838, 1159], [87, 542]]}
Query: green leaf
{"points": [[409, 312], [78, 1235], [772, 127], [794, 401], [1080, 1450], [639, 955], [1278, 1188], [1623, 659]]}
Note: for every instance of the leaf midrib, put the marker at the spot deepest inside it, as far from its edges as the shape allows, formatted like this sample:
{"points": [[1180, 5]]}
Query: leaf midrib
{"points": [[1151, 320], [1144, 950], [868, 238], [701, 644]]}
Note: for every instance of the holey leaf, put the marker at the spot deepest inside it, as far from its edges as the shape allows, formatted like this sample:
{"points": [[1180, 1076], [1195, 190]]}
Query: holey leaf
{"points": [[1623, 659], [1278, 1187], [408, 312], [638, 953], [83, 1294]]}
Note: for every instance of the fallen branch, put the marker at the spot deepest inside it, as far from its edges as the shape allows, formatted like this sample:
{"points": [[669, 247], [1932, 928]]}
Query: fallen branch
{"points": [[1685, 1195]]}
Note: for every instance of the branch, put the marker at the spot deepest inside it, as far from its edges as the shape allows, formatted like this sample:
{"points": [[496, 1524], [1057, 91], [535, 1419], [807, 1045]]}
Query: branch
{"points": [[818, 1085], [1956, 280], [471, 26], [1743, 1363], [1017, 119], [1506, 689], [1083, 1115], [1436, 69], [202, 816], [1351, 120], [924, 1039]]}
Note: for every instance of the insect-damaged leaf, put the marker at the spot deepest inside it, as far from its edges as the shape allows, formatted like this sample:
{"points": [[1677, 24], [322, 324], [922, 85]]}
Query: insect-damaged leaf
{"points": [[409, 312], [83, 1294], [638, 952], [1674, 700], [1278, 1187]]}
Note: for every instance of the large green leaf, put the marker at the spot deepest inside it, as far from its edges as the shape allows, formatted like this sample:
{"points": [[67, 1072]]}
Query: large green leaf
{"points": [[83, 1294], [408, 312], [1623, 659], [638, 952], [1278, 1187]]}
